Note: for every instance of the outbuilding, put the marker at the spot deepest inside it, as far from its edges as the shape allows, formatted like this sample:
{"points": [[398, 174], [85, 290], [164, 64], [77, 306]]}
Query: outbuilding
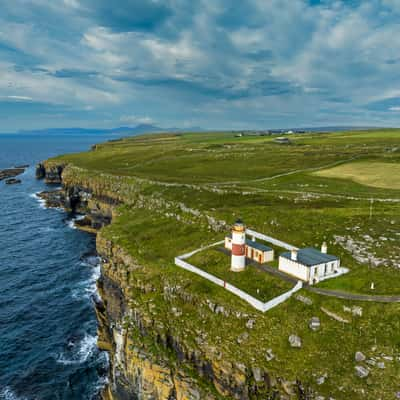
{"points": [[309, 264], [282, 140], [254, 250]]}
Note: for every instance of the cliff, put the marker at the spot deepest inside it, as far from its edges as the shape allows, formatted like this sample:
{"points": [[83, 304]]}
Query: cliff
{"points": [[151, 356], [170, 333]]}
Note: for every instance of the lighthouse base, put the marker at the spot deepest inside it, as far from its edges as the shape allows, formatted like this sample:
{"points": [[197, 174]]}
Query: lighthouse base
{"points": [[237, 269], [238, 263]]}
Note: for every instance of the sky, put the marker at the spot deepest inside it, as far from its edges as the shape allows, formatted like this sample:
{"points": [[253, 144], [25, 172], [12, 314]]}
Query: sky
{"points": [[216, 64]]}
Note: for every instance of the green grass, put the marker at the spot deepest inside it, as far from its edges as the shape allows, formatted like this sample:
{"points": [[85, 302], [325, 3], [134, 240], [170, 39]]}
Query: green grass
{"points": [[160, 221], [221, 157], [258, 284], [375, 174], [301, 208], [359, 281]]}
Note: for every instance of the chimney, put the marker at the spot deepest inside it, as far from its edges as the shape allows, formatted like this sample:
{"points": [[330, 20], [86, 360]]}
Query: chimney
{"points": [[324, 248], [293, 255]]}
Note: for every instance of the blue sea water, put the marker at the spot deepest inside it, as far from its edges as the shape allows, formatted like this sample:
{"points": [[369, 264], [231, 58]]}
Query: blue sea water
{"points": [[47, 280]]}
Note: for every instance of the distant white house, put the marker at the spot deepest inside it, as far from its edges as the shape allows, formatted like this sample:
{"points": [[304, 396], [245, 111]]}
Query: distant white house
{"points": [[282, 140], [309, 264]]}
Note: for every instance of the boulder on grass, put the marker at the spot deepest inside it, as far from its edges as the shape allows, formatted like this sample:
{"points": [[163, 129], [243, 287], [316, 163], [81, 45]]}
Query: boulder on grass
{"points": [[295, 341]]}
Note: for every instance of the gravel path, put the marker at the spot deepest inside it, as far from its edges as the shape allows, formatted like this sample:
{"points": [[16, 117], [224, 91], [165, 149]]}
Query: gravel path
{"points": [[324, 292], [352, 296]]}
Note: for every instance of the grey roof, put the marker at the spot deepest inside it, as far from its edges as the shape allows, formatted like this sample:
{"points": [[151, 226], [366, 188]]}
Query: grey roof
{"points": [[257, 245], [254, 245], [310, 256]]}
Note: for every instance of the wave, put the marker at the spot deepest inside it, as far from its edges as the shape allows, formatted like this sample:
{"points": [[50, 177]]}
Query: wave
{"points": [[71, 222], [87, 348], [88, 288], [99, 385], [8, 394], [91, 261], [42, 202], [47, 229]]}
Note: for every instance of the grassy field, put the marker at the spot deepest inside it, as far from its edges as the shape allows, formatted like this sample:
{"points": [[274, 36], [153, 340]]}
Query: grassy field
{"points": [[375, 174], [278, 189], [182, 191], [222, 157], [258, 284]]}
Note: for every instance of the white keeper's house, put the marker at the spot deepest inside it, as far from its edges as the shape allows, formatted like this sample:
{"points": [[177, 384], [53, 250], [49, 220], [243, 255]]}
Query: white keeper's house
{"points": [[309, 264]]}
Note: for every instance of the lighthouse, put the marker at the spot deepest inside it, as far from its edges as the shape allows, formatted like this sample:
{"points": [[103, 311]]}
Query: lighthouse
{"points": [[238, 246]]}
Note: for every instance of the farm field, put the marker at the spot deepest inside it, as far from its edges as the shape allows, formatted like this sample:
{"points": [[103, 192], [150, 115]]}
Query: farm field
{"points": [[183, 191], [375, 174]]}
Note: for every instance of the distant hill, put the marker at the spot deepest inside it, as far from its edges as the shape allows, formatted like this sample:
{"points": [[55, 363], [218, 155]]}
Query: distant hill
{"points": [[323, 129], [150, 128], [122, 130]]}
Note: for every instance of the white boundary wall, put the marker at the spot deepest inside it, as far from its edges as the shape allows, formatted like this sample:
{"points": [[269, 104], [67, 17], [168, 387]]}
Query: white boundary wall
{"points": [[259, 305], [341, 271], [192, 253], [270, 239]]}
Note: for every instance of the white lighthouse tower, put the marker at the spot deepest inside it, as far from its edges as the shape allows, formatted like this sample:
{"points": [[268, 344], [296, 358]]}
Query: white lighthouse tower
{"points": [[238, 246]]}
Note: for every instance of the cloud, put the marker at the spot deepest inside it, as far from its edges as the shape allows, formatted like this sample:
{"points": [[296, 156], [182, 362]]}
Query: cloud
{"points": [[397, 109], [211, 63], [72, 3], [21, 98], [129, 15], [393, 5], [134, 119]]}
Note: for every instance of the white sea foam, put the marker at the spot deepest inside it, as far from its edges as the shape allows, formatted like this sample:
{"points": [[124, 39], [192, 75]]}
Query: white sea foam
{"points": [[88, 288], [47, 229], [8, 394], [42, 202], [71, 222], [87, 347], [91, 261], [103, 381]]}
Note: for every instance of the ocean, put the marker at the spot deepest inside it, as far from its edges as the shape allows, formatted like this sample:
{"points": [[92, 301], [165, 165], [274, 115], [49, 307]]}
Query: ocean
{"points": [[48, 275]]}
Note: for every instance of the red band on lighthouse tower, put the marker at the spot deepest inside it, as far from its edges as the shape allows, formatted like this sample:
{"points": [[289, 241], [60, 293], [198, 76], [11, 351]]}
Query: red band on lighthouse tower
{"points": [[238, 249]]}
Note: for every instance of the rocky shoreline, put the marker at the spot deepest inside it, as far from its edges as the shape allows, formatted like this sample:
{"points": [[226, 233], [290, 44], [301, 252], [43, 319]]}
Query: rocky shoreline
{"points": [[178, 370], [9, 174]]}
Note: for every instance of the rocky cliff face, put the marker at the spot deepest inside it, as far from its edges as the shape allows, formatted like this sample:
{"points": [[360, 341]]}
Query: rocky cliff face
{"points": [[175, 369], [50, 172], [134, 372], [147, 360], [97, 210]]}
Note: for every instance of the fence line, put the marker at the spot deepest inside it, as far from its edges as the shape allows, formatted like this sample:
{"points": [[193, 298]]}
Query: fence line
{"points": [[192, 253], [259, 305], [283, 297], [270, 239]]}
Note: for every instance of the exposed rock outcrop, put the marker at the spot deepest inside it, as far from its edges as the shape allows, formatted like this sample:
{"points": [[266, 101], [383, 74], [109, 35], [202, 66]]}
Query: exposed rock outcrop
{"points": [[97, 210], [12, 181], [10, 173], [51, 172]]}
